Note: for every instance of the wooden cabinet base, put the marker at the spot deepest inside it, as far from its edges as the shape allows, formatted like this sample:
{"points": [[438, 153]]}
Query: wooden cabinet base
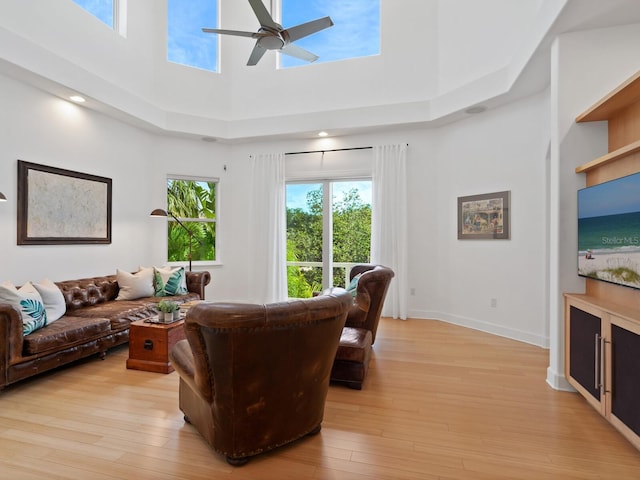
{"points": [[602, 341], [150, 343]]}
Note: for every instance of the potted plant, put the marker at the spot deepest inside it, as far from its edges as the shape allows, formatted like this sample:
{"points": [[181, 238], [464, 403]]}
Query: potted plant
{"points": [[168, 310]]}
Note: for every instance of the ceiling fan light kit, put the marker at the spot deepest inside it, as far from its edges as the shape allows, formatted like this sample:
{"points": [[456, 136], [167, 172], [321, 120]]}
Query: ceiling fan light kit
{"points": [[271, 35]]}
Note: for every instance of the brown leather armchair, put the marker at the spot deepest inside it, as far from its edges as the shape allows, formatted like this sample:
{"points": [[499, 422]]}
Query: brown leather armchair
{"points": [[255, 377], [354, 352]]}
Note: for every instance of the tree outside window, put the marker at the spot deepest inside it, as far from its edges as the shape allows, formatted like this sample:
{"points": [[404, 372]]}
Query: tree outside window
{"points": [[193, 202], [317, 230]]}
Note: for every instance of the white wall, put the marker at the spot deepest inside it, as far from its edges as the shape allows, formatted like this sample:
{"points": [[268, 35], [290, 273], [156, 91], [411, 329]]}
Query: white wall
{"points": [[503, 149], [454, 280], [43, 129], [475, 40], [408, 44]]}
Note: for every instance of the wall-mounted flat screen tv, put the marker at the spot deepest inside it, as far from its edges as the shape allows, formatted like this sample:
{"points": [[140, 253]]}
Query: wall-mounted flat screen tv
{"points": [[609, 231]]}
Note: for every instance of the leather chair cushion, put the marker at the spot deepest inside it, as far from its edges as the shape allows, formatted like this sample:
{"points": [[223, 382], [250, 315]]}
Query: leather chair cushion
{"points": [[355, 343], [63, 333]]}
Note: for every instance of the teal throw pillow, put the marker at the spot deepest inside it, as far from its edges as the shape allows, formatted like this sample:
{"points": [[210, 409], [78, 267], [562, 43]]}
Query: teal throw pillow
{"points": [[34, 316], [354, 285], [28, 301], [169, 282]]}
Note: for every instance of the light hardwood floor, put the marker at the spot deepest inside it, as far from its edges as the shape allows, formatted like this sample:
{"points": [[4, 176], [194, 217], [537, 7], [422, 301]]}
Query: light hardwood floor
{"points": [[440, 402]]}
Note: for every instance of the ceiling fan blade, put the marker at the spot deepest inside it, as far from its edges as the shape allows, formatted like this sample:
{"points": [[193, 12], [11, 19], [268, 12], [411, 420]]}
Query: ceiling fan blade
{"points": [[237, 33], [263, 15], [256, 54], [297, 52], [309, 28]]}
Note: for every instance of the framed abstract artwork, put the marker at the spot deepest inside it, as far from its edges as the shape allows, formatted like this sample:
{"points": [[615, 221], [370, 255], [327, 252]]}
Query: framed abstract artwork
{"points": [[57, 206], [484, 216]]}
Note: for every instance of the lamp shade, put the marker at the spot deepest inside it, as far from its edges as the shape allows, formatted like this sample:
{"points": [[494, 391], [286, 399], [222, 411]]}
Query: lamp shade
{"points": [[158, 212], [2, 197]]}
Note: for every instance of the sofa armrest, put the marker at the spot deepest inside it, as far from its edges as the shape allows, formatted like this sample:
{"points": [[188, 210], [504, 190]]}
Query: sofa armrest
{"points": [[10, 338], [196, 281]]}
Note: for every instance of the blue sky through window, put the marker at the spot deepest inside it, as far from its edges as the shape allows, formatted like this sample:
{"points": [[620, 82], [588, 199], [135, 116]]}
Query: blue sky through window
{"points": [[356, 30], [187, 44], [297, 192], [102, 9], [355, 33]]}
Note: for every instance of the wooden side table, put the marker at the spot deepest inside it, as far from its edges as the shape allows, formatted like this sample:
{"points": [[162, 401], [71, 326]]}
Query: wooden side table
{"points": [[150, 343]]}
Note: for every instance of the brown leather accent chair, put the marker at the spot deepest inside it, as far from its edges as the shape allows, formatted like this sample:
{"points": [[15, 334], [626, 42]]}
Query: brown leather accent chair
{"points": [[255, 377], [354, 352]]}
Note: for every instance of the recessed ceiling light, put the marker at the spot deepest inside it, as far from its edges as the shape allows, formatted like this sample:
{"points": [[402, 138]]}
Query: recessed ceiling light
{"points": [[476, 109], [77, 99], [323, 134]]}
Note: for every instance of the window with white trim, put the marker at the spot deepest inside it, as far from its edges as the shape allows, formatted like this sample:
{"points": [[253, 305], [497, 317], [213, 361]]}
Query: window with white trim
{"points": [[192, 215]]}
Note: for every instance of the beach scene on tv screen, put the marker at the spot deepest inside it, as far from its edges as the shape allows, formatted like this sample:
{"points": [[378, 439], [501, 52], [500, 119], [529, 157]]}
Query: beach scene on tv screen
{"points": [[609, 231]]}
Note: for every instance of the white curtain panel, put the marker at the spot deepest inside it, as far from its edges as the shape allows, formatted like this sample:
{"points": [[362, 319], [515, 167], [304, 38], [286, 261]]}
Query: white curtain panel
{"points": [[389, 222], [267, 243]]}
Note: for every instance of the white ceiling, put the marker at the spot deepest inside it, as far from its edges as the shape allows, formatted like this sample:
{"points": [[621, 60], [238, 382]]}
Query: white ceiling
{"points": [[526, 73]]}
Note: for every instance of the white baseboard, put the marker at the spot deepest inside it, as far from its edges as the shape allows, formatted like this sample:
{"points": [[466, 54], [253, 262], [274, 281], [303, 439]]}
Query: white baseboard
{"points": [[514, 334], [558, 381]]}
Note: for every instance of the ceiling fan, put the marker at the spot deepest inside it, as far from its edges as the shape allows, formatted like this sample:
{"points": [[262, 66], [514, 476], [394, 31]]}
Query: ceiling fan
{"points": [[271, 35]]}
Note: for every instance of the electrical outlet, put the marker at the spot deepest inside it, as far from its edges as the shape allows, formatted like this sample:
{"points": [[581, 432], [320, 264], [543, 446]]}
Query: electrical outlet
{"points": [[494, 303]]}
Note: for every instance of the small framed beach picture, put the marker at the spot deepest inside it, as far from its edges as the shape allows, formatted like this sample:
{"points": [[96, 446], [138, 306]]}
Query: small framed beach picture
{"points": [[484, 216]]}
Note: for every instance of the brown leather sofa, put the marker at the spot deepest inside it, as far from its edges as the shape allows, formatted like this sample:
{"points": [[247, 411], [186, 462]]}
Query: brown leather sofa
{"points": [[354, 351], [93, 323], [255, 377]]}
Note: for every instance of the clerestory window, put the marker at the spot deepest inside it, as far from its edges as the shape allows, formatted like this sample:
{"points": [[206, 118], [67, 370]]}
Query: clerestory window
{"points": [[355, 31], [186, 43], [109, 12]]}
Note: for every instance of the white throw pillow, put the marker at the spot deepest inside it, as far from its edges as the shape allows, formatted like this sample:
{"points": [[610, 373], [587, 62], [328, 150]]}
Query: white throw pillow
{"points": [[135, 285], [52, 299], [28, 301]]}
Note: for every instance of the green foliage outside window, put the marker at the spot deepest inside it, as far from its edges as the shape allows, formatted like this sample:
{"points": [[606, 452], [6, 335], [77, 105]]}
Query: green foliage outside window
{"points": [[194, 203], [351, 240]]}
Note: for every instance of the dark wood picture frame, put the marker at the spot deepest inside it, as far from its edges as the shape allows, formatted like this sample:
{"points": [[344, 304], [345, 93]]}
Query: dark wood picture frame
{"points": [[485, 216], [62, 207]]}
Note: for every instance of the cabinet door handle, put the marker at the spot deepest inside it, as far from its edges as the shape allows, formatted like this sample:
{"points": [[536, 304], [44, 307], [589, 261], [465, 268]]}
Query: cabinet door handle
{"points": [[597, 369], [603, 372]]}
